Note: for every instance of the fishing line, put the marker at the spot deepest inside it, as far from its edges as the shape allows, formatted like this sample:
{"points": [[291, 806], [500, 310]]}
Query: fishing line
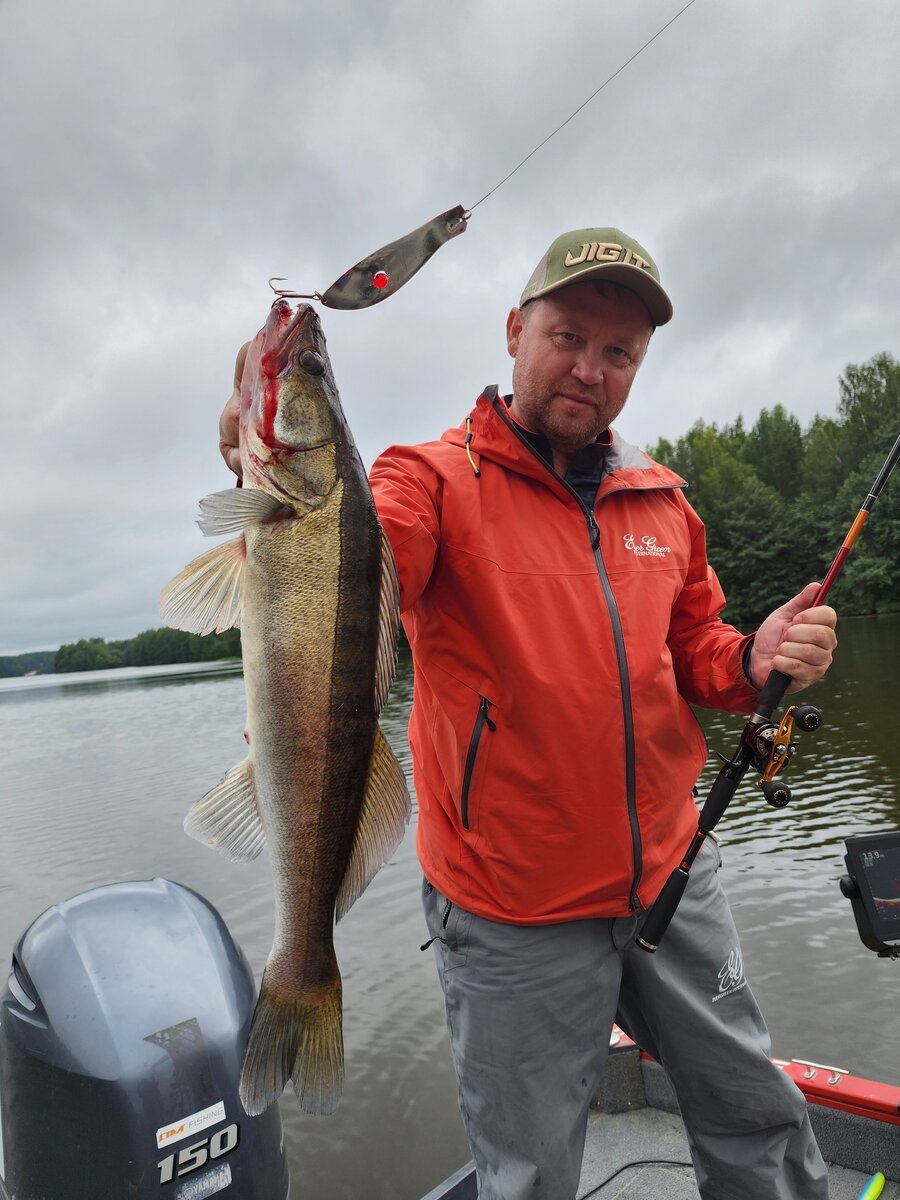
{"points": [[385, 271], [638, 1162], [619, 71]]}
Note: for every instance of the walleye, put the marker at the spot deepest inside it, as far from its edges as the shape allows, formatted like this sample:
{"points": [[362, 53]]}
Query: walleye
{"points": [[312, 584]]}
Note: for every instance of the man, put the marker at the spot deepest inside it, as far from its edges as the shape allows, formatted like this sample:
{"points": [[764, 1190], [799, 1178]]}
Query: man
{"points": [[562, 618]]}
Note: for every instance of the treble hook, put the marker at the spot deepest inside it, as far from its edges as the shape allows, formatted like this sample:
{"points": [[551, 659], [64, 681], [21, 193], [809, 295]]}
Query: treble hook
{"points": [[284, 294]]}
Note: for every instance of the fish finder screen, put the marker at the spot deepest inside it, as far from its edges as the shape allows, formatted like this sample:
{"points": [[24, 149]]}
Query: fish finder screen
{"points": [[873, 886], [881, 879]]}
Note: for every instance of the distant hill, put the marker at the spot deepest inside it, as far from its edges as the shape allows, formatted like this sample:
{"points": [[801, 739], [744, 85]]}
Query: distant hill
{"points": [[37, 661]]}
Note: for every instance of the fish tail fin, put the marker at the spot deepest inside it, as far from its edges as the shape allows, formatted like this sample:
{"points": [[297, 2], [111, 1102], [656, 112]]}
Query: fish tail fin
{"points": [[297, 1035]]}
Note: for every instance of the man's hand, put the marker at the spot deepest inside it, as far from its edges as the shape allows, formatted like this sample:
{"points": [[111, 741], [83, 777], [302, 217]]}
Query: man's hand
{"points": [[229, 422], [795, 639]]}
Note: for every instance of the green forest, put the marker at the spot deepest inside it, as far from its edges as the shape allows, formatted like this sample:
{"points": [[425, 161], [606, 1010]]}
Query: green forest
{"points": [[151, 648], [778, 501], [35, 662]]}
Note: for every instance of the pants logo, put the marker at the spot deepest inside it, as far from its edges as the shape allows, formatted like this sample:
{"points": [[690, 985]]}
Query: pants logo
{"points": [[731, 975]]}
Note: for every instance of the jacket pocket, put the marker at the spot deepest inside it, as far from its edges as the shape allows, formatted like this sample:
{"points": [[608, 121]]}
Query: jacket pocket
{"points": [[448, 928], [482, 722]]}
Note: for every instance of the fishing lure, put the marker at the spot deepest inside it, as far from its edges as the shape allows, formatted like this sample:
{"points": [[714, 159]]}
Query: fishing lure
{"points": [[385, 271], [873, 1188]]}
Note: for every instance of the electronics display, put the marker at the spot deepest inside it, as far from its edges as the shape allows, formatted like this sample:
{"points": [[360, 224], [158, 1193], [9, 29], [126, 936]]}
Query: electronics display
{"points": [[872, 885]]}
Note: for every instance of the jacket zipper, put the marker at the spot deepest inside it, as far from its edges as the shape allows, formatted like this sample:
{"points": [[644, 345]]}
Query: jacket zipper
{"points": [[622, 666], [627, 710], [472, 753], [624, 683]]}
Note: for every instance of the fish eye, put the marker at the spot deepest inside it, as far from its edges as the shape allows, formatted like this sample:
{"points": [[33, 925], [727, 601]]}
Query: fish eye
{"points": [[312, 363]]}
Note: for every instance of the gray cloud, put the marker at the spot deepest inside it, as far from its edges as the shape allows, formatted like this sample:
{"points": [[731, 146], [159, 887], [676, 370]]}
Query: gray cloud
{"points": [[162, 161]]}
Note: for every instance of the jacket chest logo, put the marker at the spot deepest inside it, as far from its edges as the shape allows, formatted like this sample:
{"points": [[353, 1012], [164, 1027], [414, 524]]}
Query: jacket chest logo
{"points": [[645, 547]]}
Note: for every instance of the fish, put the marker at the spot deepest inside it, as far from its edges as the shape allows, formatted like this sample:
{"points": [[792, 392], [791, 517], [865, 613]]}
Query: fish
{"points": [[311, 582]]}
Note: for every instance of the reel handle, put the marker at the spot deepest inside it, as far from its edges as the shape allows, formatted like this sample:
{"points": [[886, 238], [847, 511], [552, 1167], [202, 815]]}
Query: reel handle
{"points": [[776, 794], [808, 717]]}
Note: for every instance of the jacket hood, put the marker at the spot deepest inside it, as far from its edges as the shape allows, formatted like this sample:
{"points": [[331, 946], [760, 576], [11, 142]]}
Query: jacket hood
{"points": [[491, 436]]}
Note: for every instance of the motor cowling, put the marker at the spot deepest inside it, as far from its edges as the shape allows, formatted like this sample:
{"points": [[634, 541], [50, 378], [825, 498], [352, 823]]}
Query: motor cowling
{"points": [[122, 1029]]}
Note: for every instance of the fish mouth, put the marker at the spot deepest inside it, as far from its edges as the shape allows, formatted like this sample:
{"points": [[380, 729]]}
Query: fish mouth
{"points": [[284, 330]]}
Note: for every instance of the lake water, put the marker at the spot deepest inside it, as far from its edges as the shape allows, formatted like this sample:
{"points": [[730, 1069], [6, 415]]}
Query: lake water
{"points": [[97, 771]]}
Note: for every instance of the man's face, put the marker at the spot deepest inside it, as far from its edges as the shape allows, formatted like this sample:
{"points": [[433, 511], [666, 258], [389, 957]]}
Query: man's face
{"points": [[577, 352]]}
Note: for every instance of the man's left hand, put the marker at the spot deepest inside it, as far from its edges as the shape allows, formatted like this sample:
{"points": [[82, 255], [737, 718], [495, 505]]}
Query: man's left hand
{"points": [[229, 422], [795, 639]]}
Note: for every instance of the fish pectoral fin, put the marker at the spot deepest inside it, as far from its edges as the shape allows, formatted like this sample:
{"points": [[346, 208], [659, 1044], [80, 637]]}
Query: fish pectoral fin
{"points": [[388, 625], [234, 510], [227, 817], [383, 816], [206, 596]]}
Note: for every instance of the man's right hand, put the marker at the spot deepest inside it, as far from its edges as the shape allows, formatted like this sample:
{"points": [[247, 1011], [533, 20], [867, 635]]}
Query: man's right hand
{"points": [[229, 422]]}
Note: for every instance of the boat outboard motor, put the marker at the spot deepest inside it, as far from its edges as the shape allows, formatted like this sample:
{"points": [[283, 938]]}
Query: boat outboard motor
{"points": [[122, 1030]]}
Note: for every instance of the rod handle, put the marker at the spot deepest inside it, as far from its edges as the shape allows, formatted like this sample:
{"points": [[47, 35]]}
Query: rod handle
{"points": [[721, 792], [662, 910], [772, 692]]}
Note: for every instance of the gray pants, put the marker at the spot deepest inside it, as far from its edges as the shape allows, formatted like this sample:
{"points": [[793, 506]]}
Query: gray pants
{"points": [[529, 1009]]}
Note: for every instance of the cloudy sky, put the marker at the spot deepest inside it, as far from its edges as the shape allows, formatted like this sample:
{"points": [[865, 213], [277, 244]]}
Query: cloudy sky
{"points": [[162, 160]]}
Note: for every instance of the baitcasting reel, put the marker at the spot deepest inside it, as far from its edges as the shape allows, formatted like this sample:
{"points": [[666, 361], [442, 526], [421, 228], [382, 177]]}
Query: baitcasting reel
{"points": [[771, 748]]}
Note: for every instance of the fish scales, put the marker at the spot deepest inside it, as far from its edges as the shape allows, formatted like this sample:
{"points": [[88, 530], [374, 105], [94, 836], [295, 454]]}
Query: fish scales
{"points": [[312, 584], [326, 638]]}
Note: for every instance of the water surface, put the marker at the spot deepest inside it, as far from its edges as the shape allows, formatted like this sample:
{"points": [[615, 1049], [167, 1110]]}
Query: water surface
{"points": [[98, 769]]}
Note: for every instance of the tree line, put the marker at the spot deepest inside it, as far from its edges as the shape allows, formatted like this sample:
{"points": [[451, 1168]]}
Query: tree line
{"points": [[153, 647], [34, 662], [777, 501]]}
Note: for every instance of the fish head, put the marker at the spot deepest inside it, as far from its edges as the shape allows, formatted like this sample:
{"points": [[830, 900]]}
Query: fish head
{"points": [[293, 434]]}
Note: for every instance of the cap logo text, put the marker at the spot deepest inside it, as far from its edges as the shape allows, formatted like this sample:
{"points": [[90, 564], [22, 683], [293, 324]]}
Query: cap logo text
{"points": [[605, 252]]}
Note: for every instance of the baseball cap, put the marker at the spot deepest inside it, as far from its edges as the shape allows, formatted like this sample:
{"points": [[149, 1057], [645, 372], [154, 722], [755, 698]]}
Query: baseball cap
{"points": [[600, 254]]}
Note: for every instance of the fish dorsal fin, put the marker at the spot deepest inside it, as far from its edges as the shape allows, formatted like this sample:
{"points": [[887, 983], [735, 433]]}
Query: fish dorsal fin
{"points": [[388, 625], [383, 816], [206, 596], [233, 510], [227, 817]]}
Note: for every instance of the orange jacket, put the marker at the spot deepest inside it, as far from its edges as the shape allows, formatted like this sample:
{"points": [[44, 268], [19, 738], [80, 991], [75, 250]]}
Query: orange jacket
{"points": [[555, 654]]}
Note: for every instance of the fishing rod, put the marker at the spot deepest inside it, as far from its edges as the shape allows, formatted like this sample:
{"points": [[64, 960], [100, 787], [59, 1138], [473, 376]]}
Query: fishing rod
{"points": [[765, 746]]}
